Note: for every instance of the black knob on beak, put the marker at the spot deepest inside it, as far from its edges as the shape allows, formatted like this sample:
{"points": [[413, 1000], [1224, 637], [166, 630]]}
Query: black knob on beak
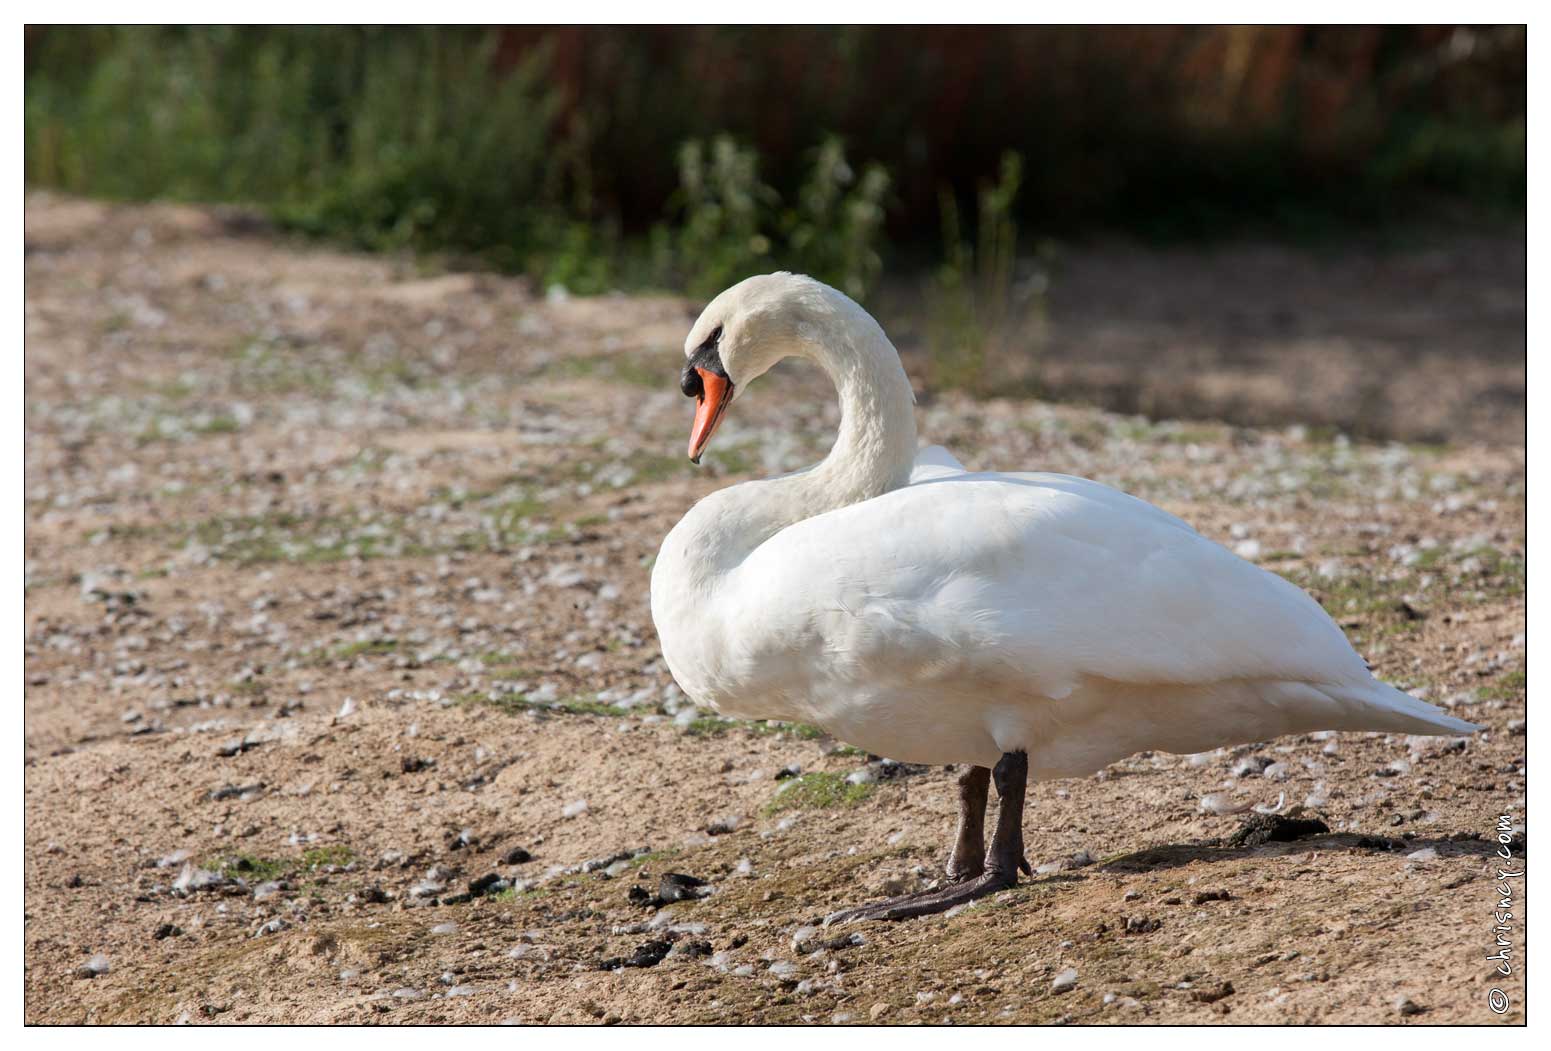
{"points": [[690, 382]]}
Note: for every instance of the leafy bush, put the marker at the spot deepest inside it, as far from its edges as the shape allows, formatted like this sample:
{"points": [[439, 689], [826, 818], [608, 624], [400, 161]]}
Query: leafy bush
{"points": [[387, 137], [731, 224]]}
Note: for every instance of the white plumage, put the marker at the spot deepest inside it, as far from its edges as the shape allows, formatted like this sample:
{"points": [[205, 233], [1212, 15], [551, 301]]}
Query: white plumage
{"points": [[935, 615]]}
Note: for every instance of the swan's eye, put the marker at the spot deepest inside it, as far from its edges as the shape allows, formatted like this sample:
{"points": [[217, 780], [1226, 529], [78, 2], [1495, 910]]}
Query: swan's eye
{"points": [[716, 336]]}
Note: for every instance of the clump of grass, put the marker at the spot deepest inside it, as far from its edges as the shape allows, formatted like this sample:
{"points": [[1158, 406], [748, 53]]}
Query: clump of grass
{"points": [[715, 726], [332, 854], [817, 791], [1509, 686], [567, 706], [709, 726], [249, 867], [984, 323], [364, 647]]}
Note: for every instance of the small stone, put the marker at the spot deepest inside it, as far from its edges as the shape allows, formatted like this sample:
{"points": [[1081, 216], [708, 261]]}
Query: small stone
{"points": [[445, 928], [167, 930], [1407, 1006], [95, 967], [878, 1011], [803, 939], [1064, 982]]}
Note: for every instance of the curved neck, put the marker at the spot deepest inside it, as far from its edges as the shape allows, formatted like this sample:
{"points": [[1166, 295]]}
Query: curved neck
{"points": [[876, 445], [873, 453]]}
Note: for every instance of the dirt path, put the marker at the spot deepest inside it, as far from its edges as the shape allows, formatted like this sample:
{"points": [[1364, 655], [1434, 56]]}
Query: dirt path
{"points": [[337, 604]]}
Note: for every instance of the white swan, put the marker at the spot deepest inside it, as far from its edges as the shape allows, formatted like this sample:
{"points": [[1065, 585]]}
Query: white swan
{"points": [[1037, 624]]}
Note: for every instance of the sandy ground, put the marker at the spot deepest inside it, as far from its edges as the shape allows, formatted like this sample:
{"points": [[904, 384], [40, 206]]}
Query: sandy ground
{"points": [[343, 701]]}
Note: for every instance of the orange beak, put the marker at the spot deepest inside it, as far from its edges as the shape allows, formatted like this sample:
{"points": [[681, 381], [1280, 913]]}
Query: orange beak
{"points": [[715, 394]]}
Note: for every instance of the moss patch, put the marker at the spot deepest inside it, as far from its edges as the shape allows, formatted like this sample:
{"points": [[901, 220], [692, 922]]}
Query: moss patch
{"points": [[818, 791]]}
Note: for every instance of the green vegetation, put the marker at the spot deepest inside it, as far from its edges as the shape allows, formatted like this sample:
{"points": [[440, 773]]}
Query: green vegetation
{"points": [[1509, 686], [249, 867], [349, 650], [731, 224], [422, 138], [599, 157], [978, 310], [716, 725], [817, 791], [578, 705], [333, 854]]}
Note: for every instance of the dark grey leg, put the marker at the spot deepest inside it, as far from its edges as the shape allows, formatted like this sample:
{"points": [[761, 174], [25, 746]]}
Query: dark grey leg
{"points": [[969, 847], [1002, 861]]}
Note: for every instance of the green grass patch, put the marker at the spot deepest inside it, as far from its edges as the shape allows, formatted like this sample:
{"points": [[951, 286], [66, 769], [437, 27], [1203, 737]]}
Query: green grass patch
{"points": [[364, 647], [249, 867], [817, 791], [566, 706], [1509, 686], [332, 854], [715, 726]]}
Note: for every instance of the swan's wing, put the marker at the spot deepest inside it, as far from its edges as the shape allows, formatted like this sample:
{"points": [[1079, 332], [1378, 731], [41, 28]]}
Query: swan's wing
{"points": [[934, 462], [1034, 579]]}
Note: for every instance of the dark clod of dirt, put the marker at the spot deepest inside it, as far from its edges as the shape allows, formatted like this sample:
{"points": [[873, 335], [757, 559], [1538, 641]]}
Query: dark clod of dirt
{"points": [[1210, 895], [413, 764], [788, 772], [1212, 993], [234, 791], [889, 769], [647, 954], [462, 838], [486, 884], [516, 856], [844, 941], [75, 881], [695, 949], [1267, 828], [639, 895], [374, 895], [167, 930], [1379, 843], [677, 886]]}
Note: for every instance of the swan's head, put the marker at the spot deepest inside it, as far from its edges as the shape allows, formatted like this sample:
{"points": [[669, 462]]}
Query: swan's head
{"points": [[741, 334]]}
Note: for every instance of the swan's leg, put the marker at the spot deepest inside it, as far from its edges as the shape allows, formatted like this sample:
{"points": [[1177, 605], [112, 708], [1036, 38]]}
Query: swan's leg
{"points": [[1002, 860], [968, 858], [969, 847]]}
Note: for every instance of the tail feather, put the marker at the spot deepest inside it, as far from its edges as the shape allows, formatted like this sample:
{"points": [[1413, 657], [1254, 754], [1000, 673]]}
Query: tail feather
{"points": [[1381, 706]]}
